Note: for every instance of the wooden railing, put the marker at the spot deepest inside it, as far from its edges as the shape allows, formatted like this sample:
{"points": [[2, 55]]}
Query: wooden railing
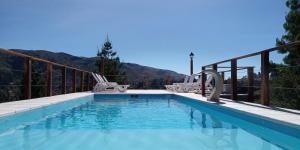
{"points": [[28, 74], [264, 58]]}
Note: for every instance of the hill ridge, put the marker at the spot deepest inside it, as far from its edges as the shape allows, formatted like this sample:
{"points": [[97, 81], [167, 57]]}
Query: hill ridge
{"points": [[134, 71]]}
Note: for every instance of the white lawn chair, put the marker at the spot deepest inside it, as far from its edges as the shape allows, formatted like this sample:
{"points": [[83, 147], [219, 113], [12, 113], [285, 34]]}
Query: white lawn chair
{"points": [[103, 79], [175, 85], [193, 86], [121, 88], [181, 87], [190, 86], [102, 85], [185, 87]]}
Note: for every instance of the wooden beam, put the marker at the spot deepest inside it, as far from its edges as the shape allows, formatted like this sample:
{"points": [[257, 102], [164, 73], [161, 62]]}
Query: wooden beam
{"points": [[49, 79], [215, 67], [63, 80], [81, 81], [291, 44], [264, 94], [93, 83], [102, 65], [87, 88], [239, 67], [250, 72], [11, 52], [223, 76], [27, 78], [74, 81], [203, 79], [234, 79], [236, 69]]}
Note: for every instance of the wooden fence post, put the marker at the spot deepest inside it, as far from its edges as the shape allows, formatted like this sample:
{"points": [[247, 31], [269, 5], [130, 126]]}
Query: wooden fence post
{"points": [[215, 67], [49, 79], [203, 79], [93, 83], [264, 94], [102, 65], [250, 73], [27, 78], [223, 76], [81, 81], [74, 81], [63, 80], [234, 79], [87, 88]]}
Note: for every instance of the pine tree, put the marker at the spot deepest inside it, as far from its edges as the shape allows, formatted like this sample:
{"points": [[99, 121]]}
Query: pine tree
{"points": [[112, 67], [285, 77], [292, 29]]}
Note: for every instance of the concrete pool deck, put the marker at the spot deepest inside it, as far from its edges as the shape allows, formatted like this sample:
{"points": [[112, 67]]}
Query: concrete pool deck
{"points": [[281, 114], [289, 116], [9, 108]]}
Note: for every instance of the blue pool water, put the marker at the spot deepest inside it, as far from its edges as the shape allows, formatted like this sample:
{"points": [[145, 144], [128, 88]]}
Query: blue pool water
{"points": [[142, 122]]}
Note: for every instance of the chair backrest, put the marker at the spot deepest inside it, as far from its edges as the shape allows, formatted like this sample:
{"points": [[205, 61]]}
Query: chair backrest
{"points": [[96, 78], [186, 79], [199, 81], [104, 78], [100, 78], [192, 77]]}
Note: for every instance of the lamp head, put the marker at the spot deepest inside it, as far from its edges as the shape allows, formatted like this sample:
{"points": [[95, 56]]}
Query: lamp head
{"points": [[191, 55]]}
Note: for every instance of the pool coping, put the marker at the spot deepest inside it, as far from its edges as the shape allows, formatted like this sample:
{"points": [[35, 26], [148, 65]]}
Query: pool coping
{"points": [[275, 114], [11, 108]]}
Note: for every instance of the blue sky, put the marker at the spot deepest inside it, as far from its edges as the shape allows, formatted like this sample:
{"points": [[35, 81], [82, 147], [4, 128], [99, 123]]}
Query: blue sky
{"points": [[157, 33]]}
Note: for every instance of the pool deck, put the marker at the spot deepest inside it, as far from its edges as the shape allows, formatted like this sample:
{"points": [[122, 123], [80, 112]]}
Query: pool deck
{"points": [[288, 116], [10, 108]]}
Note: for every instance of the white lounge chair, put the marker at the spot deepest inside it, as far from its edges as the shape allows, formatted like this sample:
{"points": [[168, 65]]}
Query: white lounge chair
{"points": [[103, 85], [190, 86], [100, 86], [175, 85], [182, 87], [103, 79], [121, 88], [186, 86], [193, 86]]}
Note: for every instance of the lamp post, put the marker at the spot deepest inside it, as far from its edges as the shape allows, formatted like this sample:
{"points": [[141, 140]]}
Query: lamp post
{"points": [[191, 63]]}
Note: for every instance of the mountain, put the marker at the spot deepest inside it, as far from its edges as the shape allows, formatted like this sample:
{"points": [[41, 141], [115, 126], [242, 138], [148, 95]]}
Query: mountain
{"points": [[135, 72]]}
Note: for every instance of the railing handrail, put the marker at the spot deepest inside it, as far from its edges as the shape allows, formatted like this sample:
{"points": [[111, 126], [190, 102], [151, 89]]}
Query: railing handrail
{"points": [[10, 52], [28, 74], [264, 73], [281, 47]]}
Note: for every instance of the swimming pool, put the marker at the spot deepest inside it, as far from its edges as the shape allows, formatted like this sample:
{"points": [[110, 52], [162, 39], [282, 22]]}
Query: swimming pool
{"points": [[142, 122]]}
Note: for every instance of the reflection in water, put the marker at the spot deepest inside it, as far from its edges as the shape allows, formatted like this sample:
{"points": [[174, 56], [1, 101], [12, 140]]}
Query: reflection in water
{"points": [[192, 118], [192, 113], [265, 145], [26, 137], [72, 115], [216, 123], [62, 120], [203, 121], [233, 137], [223, 135], [106, 115], [113, 120], [48, 127]]}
